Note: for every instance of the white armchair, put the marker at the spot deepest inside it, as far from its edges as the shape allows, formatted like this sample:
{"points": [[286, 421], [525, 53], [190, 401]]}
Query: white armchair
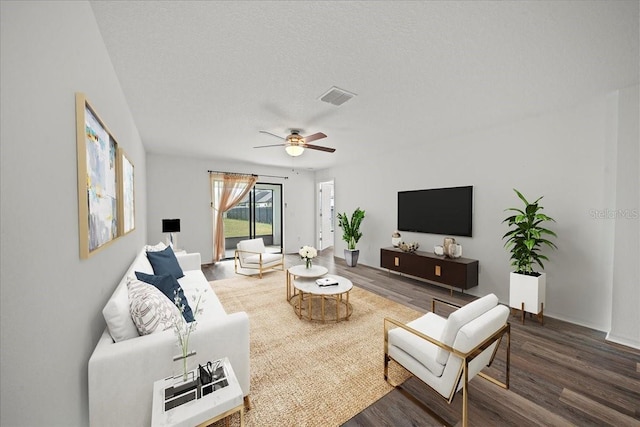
{"points": [[251, 255], [446, 353]]}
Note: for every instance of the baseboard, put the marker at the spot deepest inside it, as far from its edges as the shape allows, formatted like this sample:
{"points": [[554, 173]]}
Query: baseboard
{"points": [[622, 341]]}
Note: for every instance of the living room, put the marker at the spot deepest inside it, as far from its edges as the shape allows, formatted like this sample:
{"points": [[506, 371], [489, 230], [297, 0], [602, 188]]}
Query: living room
{"points": [[577, 148]]}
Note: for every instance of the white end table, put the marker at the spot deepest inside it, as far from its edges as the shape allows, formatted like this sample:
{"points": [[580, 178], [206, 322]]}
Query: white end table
{"points": [[302, 271], [200, 412]]}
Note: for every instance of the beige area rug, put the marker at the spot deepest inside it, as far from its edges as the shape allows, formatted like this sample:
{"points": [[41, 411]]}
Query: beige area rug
{"points": [[309, 373]]}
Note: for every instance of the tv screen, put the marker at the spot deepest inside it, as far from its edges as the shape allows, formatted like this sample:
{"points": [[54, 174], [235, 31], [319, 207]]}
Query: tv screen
{"points": [[438, 211]]}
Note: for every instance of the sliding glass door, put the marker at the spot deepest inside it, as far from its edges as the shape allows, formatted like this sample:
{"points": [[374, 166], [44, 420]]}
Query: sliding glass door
{"points": [[258, 215]]}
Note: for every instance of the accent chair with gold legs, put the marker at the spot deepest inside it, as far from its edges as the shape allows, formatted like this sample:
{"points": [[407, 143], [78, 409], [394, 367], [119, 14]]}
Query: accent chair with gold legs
{"points": [[446, 353], [252, 258]]}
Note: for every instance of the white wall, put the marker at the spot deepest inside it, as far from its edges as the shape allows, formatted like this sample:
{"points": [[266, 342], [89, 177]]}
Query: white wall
{"points": [[560, 155], [179, 188], [624, 213], [51, 299]]}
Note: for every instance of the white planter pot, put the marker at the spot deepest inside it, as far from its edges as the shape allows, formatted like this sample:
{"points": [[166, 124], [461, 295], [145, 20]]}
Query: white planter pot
{"points": [[529, 290]]}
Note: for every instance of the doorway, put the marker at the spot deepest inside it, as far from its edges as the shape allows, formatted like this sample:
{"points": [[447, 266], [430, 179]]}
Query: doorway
{"points": [[326, 214], [259, 214]]}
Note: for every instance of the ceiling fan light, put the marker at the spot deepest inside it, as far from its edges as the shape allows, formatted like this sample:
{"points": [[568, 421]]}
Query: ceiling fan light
{"points": [[294, 150]]}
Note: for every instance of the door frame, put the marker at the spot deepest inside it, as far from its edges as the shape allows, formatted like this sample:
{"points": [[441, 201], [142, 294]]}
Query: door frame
{"points": [[325, 230]]}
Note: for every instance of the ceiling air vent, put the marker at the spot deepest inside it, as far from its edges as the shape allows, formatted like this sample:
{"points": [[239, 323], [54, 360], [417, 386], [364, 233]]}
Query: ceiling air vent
{"points": [[336, 96]]}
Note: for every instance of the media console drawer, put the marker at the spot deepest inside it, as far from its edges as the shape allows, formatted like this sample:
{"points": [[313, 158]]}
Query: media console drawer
{"points": [[455, 272]]}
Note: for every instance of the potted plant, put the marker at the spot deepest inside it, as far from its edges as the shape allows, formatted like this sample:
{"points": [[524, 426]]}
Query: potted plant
{"points": [[351, 234], [525, 240]]}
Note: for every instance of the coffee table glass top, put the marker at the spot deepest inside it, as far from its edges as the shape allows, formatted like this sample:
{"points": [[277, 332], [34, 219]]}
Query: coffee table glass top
{"points": [[302, 270], [308, 285]]}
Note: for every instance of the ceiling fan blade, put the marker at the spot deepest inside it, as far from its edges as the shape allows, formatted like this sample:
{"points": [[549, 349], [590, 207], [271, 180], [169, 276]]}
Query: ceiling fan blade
{"points": [[273, 145], [272, 134], [315, 136], [318, 147]]}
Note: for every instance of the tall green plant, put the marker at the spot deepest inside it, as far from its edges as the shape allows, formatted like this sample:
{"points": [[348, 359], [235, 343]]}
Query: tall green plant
{"points": [[351, 230], [527, 236]]}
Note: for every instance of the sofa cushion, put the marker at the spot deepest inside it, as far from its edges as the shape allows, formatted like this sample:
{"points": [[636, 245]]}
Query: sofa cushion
{"points": [[431, 325], [195, 285], [169, 286], [266, 258], [165, 262], [461, 317], [150, 309]]}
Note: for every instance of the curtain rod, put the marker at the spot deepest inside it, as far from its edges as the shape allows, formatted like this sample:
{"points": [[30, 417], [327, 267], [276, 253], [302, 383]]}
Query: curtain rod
{"points": [[252, 174]]}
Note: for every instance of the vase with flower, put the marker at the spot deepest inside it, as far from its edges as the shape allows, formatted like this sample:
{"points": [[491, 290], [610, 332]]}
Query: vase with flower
{"points": [[307, 253], [183, 330]]}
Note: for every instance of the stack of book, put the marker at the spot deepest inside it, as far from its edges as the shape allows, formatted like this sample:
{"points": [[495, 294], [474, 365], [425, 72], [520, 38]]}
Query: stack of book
{"points": [[326, 281]]}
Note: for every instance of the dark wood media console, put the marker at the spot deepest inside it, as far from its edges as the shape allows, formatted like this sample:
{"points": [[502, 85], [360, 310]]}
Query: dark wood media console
{"points": [[459, 273]]}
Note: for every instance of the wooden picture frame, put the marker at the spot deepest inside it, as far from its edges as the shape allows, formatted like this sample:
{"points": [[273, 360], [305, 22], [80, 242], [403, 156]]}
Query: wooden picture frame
{"points": [[127, 195], [98, 179]]}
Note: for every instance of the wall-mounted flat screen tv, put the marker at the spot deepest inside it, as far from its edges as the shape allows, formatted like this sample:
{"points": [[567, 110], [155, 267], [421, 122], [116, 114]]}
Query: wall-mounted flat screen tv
{"points": [[446, 211]]}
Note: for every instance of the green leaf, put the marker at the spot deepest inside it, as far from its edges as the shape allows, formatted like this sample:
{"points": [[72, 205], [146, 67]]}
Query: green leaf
{"points": [[351, 233], [524, 238]]}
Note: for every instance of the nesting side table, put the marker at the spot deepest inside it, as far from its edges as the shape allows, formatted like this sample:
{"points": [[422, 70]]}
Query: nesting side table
{"points": [[302, 271]]}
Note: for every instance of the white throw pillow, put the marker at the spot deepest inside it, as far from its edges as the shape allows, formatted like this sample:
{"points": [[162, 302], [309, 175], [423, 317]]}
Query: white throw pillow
{"points": [[150, 309], [155, 248], [118, 317]]}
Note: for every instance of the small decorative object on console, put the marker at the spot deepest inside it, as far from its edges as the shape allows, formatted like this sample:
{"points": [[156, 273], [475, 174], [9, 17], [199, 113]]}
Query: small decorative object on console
{"points": [[455, 251], [408, 247], [438, 250], [450, 248], [448, 241], [396, 239]]}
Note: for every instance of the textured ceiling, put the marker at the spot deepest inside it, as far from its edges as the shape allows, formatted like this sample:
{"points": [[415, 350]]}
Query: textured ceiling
{"points": [[202, 78]]}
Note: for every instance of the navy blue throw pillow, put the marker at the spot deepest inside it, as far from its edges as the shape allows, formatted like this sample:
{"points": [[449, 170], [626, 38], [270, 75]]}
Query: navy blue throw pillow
{"points": [[170, 287], [165, 262]]}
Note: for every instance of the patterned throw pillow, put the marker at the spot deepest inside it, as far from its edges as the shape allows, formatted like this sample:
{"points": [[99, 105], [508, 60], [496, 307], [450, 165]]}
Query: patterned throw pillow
{"points": [[170, 287], [150, 309]]}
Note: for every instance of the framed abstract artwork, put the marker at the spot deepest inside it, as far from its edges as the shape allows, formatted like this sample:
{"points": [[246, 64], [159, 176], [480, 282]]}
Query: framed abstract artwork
{"points": [[127, 195], [98, 172]]}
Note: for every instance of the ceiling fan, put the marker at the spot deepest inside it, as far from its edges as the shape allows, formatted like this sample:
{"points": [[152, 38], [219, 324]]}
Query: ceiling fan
{"points": [[294, 144]]}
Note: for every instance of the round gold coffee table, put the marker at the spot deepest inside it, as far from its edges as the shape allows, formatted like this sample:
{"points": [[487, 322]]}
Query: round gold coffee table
{"points": [[302, 271], [336, 295]]}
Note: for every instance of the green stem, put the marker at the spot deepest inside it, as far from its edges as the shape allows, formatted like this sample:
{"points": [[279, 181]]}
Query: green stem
{"points": [[185, 352]]}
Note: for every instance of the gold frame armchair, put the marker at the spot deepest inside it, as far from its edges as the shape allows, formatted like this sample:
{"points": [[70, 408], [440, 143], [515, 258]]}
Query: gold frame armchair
{"points": [[251, 255], [447, 353]]}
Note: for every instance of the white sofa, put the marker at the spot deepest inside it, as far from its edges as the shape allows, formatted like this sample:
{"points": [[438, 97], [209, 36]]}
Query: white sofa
{"points": [[124, 365]]}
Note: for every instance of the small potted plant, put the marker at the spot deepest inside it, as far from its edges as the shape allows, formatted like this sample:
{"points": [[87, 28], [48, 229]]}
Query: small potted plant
{"points": [[525, 239], [351, 234]]}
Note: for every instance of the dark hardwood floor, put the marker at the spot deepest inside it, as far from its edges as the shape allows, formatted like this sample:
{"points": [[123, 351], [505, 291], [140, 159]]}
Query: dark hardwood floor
{"points": [[561, 374]]}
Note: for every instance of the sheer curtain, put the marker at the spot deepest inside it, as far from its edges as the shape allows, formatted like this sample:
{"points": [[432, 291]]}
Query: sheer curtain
{"points": [[227, 190]]}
